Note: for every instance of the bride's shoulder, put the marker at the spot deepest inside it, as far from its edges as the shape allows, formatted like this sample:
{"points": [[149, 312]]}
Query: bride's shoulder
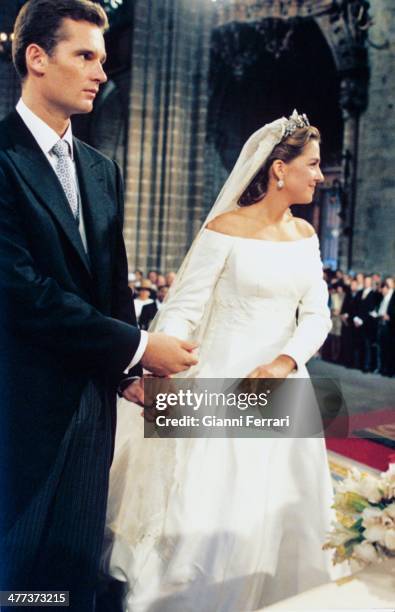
{"points": [[303, 228], [227, 223]]}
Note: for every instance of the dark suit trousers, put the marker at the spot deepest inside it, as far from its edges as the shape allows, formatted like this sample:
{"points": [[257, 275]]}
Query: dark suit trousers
{"points": [[384, 348], [56, 543]]}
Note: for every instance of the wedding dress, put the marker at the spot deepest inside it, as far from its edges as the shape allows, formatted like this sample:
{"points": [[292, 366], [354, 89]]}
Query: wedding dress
{"points": [[227, 525]]}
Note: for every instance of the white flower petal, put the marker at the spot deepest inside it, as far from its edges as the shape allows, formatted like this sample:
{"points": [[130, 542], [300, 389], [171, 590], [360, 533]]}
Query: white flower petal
{"points": [[389, 539], [365, 552], [376, 533]]}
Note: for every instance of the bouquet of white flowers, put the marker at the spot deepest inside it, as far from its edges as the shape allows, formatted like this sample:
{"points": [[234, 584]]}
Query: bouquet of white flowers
{"points": [[364, 531]]}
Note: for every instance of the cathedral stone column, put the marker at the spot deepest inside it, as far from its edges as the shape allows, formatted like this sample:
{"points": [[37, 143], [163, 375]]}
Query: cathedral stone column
{"points": [[167, 130], [350, 111], [374, 219]]}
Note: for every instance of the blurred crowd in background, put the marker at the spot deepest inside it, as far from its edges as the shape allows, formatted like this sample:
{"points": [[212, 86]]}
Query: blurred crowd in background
{"points": [[363, 322], [148, 293]]}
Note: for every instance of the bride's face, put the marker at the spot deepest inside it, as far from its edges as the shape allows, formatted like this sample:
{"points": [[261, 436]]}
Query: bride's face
{"points": [[303, 173]]}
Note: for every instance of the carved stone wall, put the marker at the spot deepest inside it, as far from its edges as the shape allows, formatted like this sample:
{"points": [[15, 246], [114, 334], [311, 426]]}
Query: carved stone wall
{"points": [[374, 218], [167, 129]]}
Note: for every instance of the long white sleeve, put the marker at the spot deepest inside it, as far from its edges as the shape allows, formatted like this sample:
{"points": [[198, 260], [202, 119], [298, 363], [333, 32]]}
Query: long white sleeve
{"points": [[183, 311], [314, 322]]}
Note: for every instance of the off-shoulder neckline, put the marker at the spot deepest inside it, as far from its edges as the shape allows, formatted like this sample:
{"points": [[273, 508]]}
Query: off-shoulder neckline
{"points": [[261, 239]]}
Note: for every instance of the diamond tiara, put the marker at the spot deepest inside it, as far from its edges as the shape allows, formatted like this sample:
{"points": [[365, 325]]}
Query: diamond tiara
{"points": [[294, 122]]}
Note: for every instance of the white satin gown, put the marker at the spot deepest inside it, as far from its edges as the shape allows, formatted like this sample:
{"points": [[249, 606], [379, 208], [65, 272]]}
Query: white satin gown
{"points": [[227, 525]]}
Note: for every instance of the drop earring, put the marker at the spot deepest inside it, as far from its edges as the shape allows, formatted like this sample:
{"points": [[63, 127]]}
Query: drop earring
{"points": [[280, 184]]}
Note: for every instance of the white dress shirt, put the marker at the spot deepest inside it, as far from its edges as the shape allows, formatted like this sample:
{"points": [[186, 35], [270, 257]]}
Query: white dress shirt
{"points": [[384, 303], [46, 138]]}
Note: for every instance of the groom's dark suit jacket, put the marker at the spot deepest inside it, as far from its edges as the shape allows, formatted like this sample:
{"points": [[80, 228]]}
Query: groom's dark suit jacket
{"points": [[65, 317]]}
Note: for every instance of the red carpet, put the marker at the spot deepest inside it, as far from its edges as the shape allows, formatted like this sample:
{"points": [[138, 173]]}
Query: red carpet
{"points": [[369, 452]]}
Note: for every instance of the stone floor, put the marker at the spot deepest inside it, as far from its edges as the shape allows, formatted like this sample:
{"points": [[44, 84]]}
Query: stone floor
{"points": [[362, 392]]}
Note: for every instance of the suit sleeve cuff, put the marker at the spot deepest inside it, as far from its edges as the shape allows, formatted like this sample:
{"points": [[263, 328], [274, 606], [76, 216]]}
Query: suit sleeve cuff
{"points": [[140, 350]]}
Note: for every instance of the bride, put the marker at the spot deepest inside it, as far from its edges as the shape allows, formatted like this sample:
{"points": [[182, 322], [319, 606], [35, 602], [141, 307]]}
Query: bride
{"points": [[231, 525]]}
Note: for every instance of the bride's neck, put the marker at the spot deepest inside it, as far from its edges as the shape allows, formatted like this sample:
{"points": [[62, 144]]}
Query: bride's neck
{"points": [[273, 208]]}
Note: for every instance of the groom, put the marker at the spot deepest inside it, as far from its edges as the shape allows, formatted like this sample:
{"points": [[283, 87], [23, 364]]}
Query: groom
{"points": [[67, 324]]}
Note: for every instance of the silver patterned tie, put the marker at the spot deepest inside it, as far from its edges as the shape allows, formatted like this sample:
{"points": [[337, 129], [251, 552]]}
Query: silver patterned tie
{"points": [[65, 174]]}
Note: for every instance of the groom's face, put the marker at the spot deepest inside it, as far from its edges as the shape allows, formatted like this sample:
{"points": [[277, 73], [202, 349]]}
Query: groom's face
{"points": [[74, 71]]}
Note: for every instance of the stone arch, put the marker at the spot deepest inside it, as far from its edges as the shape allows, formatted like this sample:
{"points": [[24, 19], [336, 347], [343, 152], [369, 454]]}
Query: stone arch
{"points": [[343, 27]]}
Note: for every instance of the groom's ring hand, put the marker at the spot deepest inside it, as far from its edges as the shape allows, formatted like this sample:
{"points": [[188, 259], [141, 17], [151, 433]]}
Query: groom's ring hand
{"points": [[167, 355]]}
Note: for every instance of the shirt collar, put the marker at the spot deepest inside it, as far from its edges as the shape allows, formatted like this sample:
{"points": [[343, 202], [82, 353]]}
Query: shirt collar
{"points": [[45, 136]]}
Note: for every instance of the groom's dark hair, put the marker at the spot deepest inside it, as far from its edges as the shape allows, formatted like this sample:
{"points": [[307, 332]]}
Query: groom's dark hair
{"points": [[40, 22]]}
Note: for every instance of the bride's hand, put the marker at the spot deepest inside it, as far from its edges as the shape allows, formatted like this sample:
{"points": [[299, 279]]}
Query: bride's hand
{"points": [[135, 392], [278, 368], [154, 387]]}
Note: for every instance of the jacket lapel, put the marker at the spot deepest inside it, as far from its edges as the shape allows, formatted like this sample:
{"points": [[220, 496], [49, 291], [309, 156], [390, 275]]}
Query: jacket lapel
{"points": [[96, 206], [38, 173]]}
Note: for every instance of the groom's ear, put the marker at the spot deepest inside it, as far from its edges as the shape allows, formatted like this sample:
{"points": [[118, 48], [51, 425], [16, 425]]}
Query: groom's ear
{"points": [[36, 59]]}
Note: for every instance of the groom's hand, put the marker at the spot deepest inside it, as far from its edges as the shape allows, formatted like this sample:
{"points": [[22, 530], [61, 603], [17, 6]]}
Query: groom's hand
{"points": [[167, 355]]}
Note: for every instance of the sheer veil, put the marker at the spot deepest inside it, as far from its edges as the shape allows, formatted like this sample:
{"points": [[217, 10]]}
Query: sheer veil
{"points": [[252, 157]]}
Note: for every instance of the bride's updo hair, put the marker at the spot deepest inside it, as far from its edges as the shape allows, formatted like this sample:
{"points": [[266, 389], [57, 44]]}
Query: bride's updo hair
{"points": [[288, 149]]}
